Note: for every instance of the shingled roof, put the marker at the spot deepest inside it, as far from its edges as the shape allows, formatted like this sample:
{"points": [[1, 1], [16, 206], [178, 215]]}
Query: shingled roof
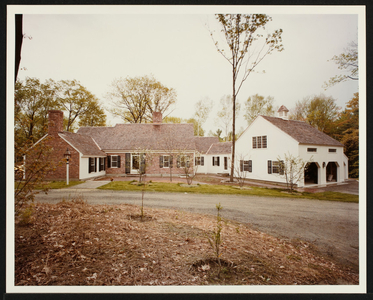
{"points": [[203, 143], [220, 148], [83, 143], [303, 132], [142, 136]]}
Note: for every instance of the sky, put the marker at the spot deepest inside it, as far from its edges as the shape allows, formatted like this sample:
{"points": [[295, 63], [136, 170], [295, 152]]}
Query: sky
{"points": [[96, 46]]}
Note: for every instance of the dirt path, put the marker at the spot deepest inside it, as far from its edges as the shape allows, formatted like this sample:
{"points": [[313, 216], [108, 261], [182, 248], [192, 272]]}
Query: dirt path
{"points": [[332, 226]]}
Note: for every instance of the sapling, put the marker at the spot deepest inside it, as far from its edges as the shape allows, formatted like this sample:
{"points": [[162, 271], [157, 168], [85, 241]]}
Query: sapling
{"points": [[215, 238]]}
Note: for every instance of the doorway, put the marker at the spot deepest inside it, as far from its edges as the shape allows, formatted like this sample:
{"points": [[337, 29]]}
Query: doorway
{"points": [[311, 173], [331, 171]]}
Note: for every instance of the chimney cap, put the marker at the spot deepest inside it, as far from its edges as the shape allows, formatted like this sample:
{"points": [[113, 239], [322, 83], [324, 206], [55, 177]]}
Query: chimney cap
{"points": [[157, 117]]}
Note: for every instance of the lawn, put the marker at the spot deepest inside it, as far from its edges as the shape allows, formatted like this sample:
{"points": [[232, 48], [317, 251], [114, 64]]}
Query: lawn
{"points": [[74, 243], [226, 189]]}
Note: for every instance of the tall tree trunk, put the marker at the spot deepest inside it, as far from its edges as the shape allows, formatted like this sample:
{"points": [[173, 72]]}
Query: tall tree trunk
{"points": [[233, 124]]}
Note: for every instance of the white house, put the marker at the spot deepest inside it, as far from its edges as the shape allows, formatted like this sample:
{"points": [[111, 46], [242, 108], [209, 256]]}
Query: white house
{"points": [[269, 138]]}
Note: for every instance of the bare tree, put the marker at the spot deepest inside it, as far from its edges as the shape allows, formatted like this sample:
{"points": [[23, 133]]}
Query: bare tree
{"points": [[225, 115], [247, 47]]}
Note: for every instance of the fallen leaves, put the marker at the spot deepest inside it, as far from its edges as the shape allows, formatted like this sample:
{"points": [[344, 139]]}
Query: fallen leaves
{"points": [[79, 244]]}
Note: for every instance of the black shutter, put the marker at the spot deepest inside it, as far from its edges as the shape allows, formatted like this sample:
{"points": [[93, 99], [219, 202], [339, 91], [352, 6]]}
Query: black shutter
{"points": [[241, 165], [218, 161], [250, 165], [95, 161], [128, 163], [202, 161], [99, 164], [142, 163], [89, 164], [269, 167], [171, 161], [213, 161], [118, 161], [161, 161], [109, 161], [104, 163]]}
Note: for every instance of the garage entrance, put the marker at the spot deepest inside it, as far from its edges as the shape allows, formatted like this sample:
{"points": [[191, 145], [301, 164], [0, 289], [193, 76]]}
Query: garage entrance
{"points": [[332, 171], [311, 173]]}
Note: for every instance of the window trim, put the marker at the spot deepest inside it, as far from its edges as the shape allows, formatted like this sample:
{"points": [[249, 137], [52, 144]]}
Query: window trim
{"points": [[312, 150], [163, 160], [332, 150], [114, 161]]}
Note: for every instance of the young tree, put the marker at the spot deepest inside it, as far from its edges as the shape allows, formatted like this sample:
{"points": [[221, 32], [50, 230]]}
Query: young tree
{"points": [[185, 161], [243, 35], [203, 108], [225, 115], [258, 105], [292, 168], [135, 99], [77, 101], [348, 62]]}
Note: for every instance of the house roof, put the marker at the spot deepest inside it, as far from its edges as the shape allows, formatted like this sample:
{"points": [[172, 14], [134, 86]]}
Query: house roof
{"points": [[143, 136], [303, 132], [220, 148], [83, 143], [203, 143]]}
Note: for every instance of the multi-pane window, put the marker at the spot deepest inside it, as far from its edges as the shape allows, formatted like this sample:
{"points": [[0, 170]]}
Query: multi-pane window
{"points": [[332, 150], [216, 161], [276, 167], [114, 161], [183, 161], [260, 141], [199, 161], [165, 161], [92, 165], [311, 149], [102, 164], [246, 165]]}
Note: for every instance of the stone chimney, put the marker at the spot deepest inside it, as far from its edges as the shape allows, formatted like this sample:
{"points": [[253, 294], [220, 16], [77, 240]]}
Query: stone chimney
{"points": [[55, 124], [283, 112], [157, 117]]}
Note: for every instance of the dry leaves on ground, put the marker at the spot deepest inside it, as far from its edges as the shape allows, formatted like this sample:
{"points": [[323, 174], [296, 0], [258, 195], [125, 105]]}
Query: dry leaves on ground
{"points": [[73, 243]]}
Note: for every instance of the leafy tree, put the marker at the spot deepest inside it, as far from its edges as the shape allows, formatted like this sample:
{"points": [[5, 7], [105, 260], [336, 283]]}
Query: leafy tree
{"points": [[77, 101], [225, 115], [32, 101], [247, 47], [319, 111], [347, 132], [172, 120], [198, 130], [94, 116], [258, 105], [217, 133], [135, 99], [348, 62], [203, 108]]}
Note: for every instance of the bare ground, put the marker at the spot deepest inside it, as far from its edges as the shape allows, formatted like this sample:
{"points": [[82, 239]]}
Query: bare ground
{"points": [[74, 243]]}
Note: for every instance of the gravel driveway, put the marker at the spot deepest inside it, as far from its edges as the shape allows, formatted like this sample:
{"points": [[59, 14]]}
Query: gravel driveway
{"points": [[332, 226]]}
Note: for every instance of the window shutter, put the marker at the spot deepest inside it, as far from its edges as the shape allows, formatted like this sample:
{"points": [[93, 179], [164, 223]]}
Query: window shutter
{"points": [[218, 164], [282, 166], [127, 163], [269, 167], [241, 165], [95, 163], [104, 163], [171, 161], [89, 164], [99, 164], [202, 161], [213, 160], [109, 161], [161, 161], [118, 161], [178, 161], [250, 165]]}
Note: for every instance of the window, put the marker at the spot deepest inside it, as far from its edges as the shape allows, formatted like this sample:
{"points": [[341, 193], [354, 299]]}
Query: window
{"points": [[114, 161], [264, 141], [92, 165], [183, 161], [260, 141], [165, 161], [246, 165], [332, 150], [216, 161], [311, 149], [276, 167], [102, 164], [200, 161]]}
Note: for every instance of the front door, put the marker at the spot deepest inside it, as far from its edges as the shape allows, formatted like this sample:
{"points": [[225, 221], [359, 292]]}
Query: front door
{"points": [[135, 164]]}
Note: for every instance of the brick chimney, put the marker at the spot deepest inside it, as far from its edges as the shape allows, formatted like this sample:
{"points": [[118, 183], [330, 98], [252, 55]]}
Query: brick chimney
{"points": [[283, 112], [55, 124], [157, 117]]}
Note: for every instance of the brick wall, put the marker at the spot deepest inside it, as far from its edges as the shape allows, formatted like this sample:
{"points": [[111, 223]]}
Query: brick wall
{"points": [[55, 122]]}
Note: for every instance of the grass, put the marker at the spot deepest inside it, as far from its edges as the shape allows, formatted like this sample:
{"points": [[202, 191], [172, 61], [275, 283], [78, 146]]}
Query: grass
{"points": [[229, 190]]}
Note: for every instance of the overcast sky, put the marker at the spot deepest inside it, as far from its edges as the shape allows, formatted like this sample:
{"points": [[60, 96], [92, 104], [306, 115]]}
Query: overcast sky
{"points": [[95, 46]]}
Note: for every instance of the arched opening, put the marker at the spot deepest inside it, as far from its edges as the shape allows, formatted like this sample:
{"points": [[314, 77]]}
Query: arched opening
{"points": [[332, 171], [311, 173]]}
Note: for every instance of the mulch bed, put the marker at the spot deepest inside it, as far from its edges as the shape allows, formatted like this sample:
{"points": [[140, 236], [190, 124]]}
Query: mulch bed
{"points": [[73, 243]]}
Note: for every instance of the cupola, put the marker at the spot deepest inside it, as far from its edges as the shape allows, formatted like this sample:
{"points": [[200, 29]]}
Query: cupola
{"points": [[283, 112]]}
